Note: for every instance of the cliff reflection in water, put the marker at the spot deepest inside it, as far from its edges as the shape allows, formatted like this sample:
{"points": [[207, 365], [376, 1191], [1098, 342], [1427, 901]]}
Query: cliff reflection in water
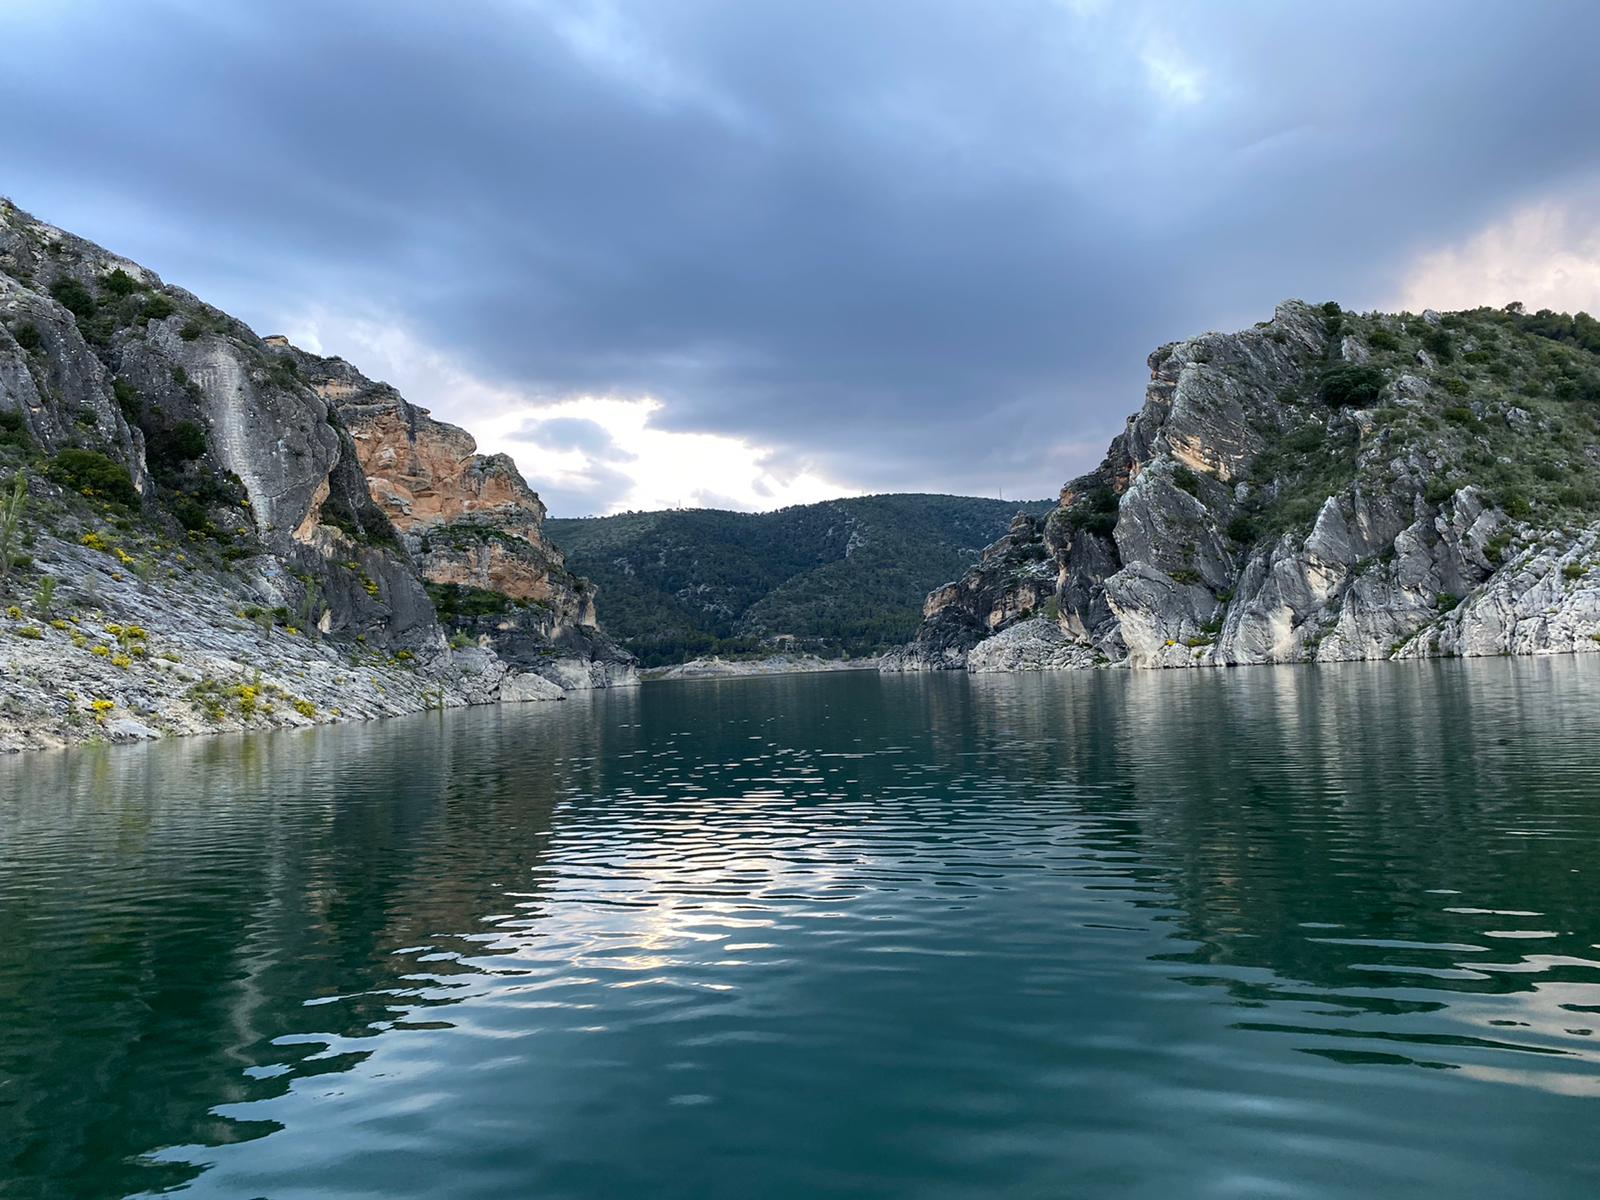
{"points": [[1150, 929]]}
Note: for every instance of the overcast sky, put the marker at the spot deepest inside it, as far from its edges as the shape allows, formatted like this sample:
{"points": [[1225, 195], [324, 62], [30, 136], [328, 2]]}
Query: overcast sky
{"points": [[752, 252]]}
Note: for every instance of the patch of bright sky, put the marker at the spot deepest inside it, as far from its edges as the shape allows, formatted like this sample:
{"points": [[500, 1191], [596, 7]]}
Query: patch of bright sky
{"points": [[1545, 254]]}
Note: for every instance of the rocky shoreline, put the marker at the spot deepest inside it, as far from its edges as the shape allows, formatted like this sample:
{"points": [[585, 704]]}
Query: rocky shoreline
{"points": [[777, 664], [123, 659]]}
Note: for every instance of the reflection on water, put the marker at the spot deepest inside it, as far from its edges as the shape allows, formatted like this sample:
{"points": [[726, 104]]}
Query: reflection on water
{"points": [[1274, 932]]}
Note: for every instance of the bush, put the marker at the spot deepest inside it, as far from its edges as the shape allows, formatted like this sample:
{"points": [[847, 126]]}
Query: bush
{"points": [[1308, 438], [1242, 529], [283, 372], [28, 337], [459, 602], [1515, 504], [119, 283], [1453, 385], [1437, 342], [93, 474], [1382, 339], [74, 297], [1352, 387], [13, 430], [157, 308], [191, 514], [173, 447], [127, 398], [1095, 512]]}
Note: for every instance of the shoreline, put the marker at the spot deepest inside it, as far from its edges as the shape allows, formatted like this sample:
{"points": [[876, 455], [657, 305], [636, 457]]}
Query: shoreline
{"points": [[774, 664]]}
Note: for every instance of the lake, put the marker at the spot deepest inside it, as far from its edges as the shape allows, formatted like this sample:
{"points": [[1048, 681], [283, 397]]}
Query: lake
{"points": [[1271, 932]]}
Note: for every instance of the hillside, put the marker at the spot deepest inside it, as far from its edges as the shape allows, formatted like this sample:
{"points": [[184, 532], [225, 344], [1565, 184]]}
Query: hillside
{"points": [[1325, 486], [194, 536], [843, 577]]}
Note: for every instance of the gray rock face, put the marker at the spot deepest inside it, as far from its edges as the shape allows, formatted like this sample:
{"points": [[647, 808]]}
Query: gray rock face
{"points": [[1241, 518], [1546, 600], [249, 489], [1015, 576], [1036, 644]]}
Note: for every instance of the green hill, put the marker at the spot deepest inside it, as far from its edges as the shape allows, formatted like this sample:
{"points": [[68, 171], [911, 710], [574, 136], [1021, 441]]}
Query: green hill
{"points": [[844, 577]]}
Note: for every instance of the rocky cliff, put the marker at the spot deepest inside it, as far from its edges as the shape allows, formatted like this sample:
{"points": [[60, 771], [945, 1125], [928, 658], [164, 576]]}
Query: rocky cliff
{"points": [[170, 472], [1324, 486], [475, 530]]}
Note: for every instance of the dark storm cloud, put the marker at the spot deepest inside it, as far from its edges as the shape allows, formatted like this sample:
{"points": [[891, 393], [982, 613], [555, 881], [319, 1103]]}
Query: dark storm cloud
{"points": [[917, 244]]}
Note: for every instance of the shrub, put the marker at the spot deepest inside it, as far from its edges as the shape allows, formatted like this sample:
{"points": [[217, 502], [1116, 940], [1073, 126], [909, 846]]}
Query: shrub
{"points": [[1574, 571], [1186, 479], [1444, 601], [93, 474], [191, 514], [283, 372], [1352, 387], [119, 283], [74, 297], [1455, 386], [191, 330], [1382, 339], [157, 308], [1308, 438], [13, 430], [28, 336], [1515, 504], [173, 447], [1437, 342], [1095, 512], [1242, 529], [127, 398]]}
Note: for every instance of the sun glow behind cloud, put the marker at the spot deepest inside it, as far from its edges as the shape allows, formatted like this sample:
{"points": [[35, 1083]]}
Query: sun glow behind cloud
{"points": [[1545, 254], [628, 462]]}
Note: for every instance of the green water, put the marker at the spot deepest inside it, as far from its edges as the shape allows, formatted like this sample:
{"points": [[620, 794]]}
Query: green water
{"points": [[1255, 933]]}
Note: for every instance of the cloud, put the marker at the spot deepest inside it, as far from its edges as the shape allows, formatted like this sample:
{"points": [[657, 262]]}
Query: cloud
{"points": [[873, 245], [1545, 254], [568, 433]]}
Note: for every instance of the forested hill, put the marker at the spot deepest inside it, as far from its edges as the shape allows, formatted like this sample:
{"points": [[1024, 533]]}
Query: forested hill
{"points": [[843, 577]]}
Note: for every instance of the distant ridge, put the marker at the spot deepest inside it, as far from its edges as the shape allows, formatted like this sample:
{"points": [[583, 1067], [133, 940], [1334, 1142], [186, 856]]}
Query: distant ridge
{"points": [[841, 577]]}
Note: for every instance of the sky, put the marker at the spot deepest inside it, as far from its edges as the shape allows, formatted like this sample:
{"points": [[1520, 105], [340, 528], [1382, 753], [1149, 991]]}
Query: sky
{"points": [[748, 253]]}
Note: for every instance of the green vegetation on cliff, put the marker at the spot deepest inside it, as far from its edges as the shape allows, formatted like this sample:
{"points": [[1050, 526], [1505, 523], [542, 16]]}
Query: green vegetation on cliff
{"points": [[840, 577], [1498, 399]]}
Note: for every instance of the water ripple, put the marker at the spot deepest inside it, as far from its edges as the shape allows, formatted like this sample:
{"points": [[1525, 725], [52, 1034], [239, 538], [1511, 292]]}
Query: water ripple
{"points": [[1304, 933]]}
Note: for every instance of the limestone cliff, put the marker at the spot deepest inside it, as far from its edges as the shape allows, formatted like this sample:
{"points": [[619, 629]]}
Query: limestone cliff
{"points": [[1324, 486], [164, 452], [475, 529]]}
